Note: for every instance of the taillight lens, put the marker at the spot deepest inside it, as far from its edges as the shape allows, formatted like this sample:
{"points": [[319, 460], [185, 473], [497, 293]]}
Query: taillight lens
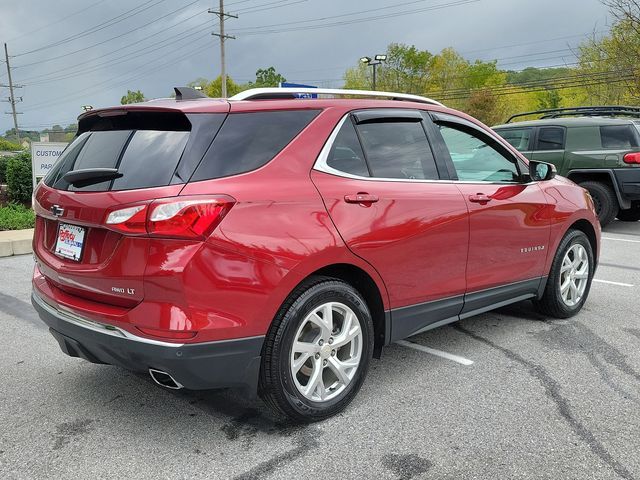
{"points": [[130, 220], [194, 217], [632, 158], [187, 217]]}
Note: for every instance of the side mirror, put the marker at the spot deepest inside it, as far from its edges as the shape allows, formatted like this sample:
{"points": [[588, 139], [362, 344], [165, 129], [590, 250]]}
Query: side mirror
{"points": [[539, 171]]}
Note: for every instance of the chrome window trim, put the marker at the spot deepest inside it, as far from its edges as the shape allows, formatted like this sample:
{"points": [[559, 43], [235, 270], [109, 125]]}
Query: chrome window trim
{"points": [[320, 165]]}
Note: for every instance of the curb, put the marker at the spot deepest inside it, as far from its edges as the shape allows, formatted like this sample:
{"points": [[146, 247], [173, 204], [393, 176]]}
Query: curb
{"points": [[15, 242]]}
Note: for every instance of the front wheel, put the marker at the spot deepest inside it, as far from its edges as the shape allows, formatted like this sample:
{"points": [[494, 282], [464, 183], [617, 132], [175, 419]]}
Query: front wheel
{"points": [[317, 352], [570, 277]]}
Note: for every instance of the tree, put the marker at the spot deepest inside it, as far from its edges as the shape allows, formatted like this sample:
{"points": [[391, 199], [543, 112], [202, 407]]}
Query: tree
{"points": [[213, 88], [267, 77], [132, 97]]}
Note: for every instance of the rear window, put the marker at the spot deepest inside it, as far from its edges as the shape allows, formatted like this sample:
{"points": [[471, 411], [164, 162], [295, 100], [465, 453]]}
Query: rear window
{"points": [[618, 136], [145, 158], [550, 138], [145, 148], [248, 141]]}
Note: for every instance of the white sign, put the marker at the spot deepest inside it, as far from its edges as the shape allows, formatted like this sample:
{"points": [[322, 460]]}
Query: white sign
{"points": [[43, 156]]}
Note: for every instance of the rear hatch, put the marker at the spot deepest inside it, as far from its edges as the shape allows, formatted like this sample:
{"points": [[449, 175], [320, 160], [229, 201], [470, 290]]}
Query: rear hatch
{"points": [[120, 157]]}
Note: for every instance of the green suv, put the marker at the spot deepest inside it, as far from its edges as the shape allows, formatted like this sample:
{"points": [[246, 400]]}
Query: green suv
{"points": [[596, 147]]}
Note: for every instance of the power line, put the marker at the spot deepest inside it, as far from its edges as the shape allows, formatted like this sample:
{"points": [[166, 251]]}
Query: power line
{"points": [[60, 20], [109, 39], [93, 89], [83, 65], [108, 23], [124, 58], [262, 29]]}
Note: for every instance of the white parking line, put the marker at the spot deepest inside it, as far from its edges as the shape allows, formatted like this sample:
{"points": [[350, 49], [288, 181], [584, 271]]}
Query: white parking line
{"points": [[437, 353], [620, 284], [621, 239]]}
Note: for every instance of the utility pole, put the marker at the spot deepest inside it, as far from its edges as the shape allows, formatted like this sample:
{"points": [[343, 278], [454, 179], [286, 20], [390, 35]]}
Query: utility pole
{"points": [[222, 16], [12, 98]]}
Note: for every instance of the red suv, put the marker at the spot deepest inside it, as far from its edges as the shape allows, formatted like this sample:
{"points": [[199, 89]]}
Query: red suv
{"points": [[278, 243]]}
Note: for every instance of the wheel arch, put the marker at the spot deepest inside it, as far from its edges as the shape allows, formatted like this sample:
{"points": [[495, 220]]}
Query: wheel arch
{"points": [[601, 175], [587, 228], [359, 279]]}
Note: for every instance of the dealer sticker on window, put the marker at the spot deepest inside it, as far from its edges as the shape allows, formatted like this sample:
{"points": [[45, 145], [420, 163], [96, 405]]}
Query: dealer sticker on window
{"points": [[70, 241]]}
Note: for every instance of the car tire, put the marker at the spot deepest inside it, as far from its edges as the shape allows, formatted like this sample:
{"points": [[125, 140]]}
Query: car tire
{"points": [[605, 201], [630, 215], [558, 299], [308, 373]]}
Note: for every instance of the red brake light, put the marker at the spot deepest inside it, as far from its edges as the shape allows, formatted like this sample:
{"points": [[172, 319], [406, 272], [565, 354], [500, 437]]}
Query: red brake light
{"points": [[193, 217], [633, 158], [187, 217], [129, 220]]}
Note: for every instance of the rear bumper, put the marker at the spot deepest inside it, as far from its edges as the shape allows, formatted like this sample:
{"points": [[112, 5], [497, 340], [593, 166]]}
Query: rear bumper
{"points": [[200, 366], [628, 182]]}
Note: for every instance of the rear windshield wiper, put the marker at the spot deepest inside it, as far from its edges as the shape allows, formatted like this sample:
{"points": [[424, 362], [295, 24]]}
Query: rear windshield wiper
{"points": [[90, 176]]}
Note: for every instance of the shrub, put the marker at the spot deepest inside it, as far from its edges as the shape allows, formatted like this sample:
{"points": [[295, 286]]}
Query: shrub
{"points": [[6, 145], [19, 181], [3, 170], [16, 217]]}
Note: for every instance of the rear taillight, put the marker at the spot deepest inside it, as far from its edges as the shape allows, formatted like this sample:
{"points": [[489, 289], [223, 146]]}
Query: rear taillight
{"points": [[131, 220], [632, 158], [194, 217]]}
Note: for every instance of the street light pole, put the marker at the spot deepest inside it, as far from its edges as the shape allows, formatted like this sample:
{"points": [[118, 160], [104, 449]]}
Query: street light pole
{"points": [[373, 63]]}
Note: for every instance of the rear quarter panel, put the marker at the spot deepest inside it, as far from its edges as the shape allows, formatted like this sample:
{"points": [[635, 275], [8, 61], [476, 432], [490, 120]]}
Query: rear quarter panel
{"points": [[276, 234]]}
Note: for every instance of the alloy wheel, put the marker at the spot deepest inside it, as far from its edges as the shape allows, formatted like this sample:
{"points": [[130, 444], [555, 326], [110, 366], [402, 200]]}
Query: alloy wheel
{"points": [[326, 351], [574, 275]]}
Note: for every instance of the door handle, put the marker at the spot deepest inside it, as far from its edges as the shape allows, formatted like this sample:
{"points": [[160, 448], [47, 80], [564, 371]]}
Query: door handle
{"points": [[362, 198], [480, 198]]}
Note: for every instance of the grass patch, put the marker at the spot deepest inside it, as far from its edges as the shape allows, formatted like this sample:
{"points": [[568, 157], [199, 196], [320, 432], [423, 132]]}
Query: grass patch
{"points": [[16, 217]]}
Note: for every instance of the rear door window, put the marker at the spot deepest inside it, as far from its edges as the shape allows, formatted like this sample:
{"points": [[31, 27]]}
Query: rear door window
{"points": [[248, 141], [618, 136], [398, 149], [550, 138]]}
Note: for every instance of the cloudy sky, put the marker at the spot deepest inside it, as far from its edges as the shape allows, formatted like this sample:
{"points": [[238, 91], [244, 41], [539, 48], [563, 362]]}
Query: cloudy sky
{"points": [[69, 53]]}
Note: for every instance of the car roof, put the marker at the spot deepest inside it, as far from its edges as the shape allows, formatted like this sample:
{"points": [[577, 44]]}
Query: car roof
{"points": [[568, 122], [217, 105]]}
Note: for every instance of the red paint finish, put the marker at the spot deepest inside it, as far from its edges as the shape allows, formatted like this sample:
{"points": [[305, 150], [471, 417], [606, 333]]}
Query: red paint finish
{"points": [[511, 218], [416, 234], [418, 241]]}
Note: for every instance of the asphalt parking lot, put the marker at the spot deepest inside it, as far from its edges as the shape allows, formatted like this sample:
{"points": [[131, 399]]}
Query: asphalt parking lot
{"points": [[519, 396]]}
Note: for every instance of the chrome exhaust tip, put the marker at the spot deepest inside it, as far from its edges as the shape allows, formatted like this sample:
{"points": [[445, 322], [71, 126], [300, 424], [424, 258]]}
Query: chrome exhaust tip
{"points": [[164, 379]]}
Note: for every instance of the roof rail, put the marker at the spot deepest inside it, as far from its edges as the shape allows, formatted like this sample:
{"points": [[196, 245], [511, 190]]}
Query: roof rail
{"points": [[608, 110], [292, 92]]}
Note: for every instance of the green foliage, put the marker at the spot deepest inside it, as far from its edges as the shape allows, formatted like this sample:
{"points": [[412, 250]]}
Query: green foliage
{"points": [[7, 146], [267, 77], [16, 217], [131, 97], [19, 181], [3, 169]]}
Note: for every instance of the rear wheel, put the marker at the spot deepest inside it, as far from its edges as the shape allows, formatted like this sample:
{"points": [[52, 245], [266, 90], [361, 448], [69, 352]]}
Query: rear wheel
{"points": [[604, 200], [570, 277], [317, 352], [630, 215]]}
